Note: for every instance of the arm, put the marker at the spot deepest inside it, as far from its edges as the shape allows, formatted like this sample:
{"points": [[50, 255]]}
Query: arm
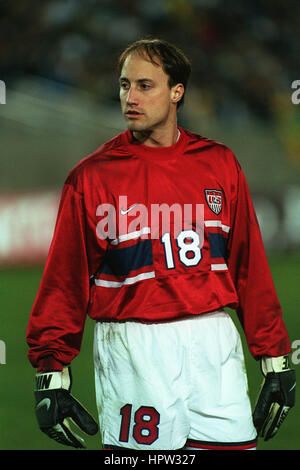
{"points": [[58, 315], [259, 310], [260, 314], [57, 320]]}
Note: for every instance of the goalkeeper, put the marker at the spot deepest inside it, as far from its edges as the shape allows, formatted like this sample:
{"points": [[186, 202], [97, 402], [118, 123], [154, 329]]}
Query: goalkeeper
{"points": [[169, 365]]}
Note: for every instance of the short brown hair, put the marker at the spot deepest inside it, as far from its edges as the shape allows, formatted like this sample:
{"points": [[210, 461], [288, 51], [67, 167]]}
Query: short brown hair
{"points": [[173, 61]]}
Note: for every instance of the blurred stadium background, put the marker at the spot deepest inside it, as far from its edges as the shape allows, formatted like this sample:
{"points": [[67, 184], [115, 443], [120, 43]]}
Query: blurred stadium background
{"points": [[57, 60]]}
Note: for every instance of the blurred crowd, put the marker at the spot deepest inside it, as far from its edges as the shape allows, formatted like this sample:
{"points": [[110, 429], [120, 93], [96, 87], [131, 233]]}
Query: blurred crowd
{"points": [[241, 51], [244, 55]]}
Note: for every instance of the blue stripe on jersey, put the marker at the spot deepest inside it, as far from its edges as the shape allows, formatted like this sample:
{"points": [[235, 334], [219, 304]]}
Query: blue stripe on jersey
{"points": [[122, 261], [218, 245]]}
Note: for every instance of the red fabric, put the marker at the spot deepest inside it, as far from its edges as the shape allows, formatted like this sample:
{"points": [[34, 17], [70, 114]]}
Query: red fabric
{"points": [[176, 175]]}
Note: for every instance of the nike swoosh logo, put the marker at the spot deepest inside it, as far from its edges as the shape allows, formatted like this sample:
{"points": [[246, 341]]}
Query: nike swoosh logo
{"points": [[45, 402], [123, 212]]}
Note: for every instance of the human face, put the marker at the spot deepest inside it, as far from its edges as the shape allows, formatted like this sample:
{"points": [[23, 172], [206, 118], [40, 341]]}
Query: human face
{"points": [[147, 101]]}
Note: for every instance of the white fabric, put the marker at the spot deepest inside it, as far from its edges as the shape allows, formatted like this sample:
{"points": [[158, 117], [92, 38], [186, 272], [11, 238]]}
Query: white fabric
{"points": [[190, 371]]}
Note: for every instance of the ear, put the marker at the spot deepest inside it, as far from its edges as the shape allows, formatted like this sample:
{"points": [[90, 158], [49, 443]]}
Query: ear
{"points": [[177, 92]]}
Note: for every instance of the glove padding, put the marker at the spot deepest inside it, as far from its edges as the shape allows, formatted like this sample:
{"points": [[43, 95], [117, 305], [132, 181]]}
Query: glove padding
{"points": [[276, 398], [56, 408]]}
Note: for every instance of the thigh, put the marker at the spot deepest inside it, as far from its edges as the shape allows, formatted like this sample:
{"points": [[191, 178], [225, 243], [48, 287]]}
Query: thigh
{"points": [[141, 388], [219, 406]]}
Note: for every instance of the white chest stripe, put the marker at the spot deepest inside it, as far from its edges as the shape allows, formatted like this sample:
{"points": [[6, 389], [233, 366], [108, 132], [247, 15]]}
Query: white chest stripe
{"points": [[127, 281], [219, 267], [131, 235], [147, 230], [217, 223]]}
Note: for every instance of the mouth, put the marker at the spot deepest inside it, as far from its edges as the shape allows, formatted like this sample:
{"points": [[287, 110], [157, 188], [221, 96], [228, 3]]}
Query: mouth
{"points": [[130, 114]]}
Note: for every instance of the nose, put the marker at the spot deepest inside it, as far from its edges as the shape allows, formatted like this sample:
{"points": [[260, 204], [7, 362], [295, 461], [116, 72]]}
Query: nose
{"points": [[131, 98]]}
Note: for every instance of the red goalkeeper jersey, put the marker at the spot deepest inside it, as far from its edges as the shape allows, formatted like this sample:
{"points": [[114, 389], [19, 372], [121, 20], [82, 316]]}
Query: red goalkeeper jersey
{"points": [[152, 235]]}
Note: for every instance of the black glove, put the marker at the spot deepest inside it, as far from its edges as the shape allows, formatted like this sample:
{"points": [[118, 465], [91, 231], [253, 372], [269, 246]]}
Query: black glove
{"points": [[55, 407], [276, 397]]}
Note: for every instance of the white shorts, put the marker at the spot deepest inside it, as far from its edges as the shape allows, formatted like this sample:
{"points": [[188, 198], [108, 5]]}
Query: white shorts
{"points": [[164, 386]]}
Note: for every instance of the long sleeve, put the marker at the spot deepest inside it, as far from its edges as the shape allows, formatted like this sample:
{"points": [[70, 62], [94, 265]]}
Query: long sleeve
{"points": [[259, 309], [57, 319]]}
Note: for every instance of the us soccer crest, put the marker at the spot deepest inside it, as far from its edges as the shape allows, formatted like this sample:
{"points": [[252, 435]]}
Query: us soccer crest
{"points": [[214, 200]]}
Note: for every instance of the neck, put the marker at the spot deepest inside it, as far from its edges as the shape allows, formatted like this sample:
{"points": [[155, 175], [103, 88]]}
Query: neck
{"points": [[158, 138]]}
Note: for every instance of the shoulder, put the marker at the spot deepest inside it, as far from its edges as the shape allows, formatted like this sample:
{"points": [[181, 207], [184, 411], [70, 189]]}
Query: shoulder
{"points": [[108, 152], [212, 149]]}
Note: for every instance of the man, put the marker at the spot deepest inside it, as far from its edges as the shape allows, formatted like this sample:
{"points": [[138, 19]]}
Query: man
{"points": [[169, 367]]}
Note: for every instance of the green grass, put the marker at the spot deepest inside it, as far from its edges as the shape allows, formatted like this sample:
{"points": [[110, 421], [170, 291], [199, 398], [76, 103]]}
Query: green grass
{"points": [[18, 427]]}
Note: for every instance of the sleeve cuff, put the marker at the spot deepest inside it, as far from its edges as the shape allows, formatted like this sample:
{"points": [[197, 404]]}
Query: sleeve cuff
{"points": [[274, 364], [49, 363]]}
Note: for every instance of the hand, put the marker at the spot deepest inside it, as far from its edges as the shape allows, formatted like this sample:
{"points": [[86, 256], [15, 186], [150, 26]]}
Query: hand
{"points": [[276, 397], [55, 407]]}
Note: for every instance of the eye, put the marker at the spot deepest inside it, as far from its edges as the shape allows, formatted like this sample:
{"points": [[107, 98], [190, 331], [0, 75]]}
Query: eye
{"points": [[145, 86], [124, 85]]}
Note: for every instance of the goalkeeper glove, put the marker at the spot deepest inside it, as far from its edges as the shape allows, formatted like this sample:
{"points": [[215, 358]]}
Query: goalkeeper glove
{"points": [[276, 397], [55, 407]]}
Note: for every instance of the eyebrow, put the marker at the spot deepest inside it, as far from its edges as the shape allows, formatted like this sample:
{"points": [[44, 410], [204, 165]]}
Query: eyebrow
{"points": [[140, 80]]}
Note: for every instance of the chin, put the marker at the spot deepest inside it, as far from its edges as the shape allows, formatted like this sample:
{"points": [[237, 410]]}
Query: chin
{"points": [[136, 127]]}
